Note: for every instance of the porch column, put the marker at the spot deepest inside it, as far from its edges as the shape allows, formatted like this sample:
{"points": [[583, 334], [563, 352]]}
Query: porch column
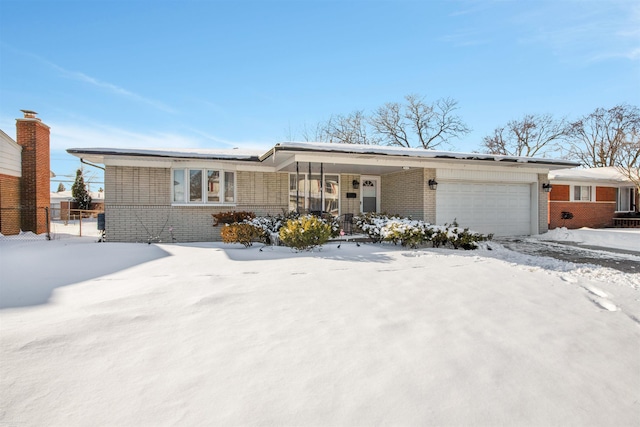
{"points": [[321, 188], [309, 181]]}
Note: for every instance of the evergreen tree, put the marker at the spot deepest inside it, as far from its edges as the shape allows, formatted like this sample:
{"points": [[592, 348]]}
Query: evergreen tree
{"points": [[80, 193], [61, 188]]}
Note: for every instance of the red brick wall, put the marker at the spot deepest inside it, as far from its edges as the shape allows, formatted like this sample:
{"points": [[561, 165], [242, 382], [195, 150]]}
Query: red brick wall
{"points": [[9, 205], [606, 194], [559, 192], [585, 214], [33, 136]]}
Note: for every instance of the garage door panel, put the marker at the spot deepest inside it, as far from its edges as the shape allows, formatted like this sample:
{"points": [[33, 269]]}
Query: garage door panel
{"points": [[501, 209]]}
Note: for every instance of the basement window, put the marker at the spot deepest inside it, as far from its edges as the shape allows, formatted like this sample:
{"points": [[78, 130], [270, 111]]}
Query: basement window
{"points": [[203, 186]]}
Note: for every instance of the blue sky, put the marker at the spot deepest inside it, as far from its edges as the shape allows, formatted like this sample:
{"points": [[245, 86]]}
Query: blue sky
{"points": [[227, 74]]}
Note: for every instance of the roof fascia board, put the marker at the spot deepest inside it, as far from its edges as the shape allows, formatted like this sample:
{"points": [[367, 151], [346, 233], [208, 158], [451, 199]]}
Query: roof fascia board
{"points": [[412, 162]]}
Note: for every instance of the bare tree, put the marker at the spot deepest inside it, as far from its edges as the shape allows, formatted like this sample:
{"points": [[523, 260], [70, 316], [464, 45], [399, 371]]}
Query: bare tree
{"points": [[629, 159], [417, 123], [601, 138], [350, 129], [532, 135]]}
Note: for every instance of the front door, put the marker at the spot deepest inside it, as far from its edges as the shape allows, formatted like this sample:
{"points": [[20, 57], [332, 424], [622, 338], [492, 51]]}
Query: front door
{"points": [[370, 193]]}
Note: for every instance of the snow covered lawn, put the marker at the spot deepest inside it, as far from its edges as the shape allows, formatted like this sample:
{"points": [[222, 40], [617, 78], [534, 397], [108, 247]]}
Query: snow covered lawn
{"points": [[618, 238], [210, 334]]}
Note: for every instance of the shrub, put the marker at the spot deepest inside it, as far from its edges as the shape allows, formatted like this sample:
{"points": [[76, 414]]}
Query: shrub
{"points": [[413, 233], [239, 233], [372, 224], [466, 239], [407, 232], [267, 225], [231, 217], [305, 233]]}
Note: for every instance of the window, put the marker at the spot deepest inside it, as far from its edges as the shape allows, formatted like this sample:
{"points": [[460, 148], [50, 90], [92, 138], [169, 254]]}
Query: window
{"points": [[582, 193], [308, 191], [625, 200], [206, 186]]}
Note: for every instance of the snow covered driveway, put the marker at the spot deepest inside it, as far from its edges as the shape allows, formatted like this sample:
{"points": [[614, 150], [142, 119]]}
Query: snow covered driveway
{"points": [[207, 334]]}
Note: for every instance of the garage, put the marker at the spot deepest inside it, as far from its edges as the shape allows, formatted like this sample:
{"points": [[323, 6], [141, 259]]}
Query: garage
{"points": [[501, 209]]}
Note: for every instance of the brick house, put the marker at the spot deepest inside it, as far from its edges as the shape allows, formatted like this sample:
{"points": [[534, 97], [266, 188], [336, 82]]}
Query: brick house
{"points": [[149, 191], [594, 198], [25, 176]]}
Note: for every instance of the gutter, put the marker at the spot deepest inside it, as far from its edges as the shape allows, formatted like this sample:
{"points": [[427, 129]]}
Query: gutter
{"points": [[90, 164]]}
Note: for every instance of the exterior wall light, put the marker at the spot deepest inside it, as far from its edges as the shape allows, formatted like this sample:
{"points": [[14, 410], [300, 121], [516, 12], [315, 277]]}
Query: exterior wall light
{"points": [[547, 187], [355, 184], [433, 184]]}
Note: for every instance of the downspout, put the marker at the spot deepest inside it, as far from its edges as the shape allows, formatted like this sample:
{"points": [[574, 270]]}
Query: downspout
{"points": [[297, 190]]}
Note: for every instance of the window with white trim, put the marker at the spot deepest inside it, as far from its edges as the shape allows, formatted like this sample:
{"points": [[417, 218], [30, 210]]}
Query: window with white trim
{"points": [[626, 199], [203, 186], [582, 193], [299, 188]]}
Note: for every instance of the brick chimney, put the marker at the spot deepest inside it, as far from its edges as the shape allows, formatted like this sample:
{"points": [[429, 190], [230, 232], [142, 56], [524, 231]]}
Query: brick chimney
{"points": [[33, 136]]}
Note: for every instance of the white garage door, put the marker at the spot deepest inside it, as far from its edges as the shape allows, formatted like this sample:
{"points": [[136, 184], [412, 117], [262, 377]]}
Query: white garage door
{"points": [[501, 209]]}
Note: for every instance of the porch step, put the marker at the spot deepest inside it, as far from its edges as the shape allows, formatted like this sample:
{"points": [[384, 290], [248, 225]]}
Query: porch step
{"points": [[626, 222]]}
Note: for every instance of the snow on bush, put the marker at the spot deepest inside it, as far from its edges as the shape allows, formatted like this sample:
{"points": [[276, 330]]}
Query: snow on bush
{"points": [[413, 233]]}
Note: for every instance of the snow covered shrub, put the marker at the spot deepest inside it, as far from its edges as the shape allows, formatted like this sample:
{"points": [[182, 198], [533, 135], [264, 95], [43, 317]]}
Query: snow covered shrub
{"points": [[305, 232], [440, 236], [239, 233], [407, 232], [465, 239], [333, 222], [270, 224], [458, 238], [372, 224]]}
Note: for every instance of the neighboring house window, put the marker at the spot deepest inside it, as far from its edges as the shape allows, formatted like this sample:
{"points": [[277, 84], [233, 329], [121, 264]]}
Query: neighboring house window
{"points": [[313, 203], [625, 201], [582, 193], [206, 186]]}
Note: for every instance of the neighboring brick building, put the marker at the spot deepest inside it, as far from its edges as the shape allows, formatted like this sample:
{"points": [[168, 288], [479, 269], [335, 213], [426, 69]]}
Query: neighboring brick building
{"points": [[25, 176], [594, 198]]}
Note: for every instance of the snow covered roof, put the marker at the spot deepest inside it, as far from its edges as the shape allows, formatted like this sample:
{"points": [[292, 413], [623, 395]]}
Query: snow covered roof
{"points": [[408, 152], [63, 196], [609, 174], [98, 154], [181, 153]]}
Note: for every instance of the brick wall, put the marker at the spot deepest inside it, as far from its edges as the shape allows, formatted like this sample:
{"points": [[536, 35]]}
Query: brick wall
{"points": [[33, 136], [138, 204], [543, 204], [403, 193], [346, 186], [585, 214], [429, 197], [9, 204], [598, 214]]}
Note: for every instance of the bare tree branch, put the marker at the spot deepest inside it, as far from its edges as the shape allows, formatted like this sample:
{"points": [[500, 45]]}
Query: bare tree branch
{"points": [[533, 135], [418, 124], [599, 139], [387, 122], [350, 129]]}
